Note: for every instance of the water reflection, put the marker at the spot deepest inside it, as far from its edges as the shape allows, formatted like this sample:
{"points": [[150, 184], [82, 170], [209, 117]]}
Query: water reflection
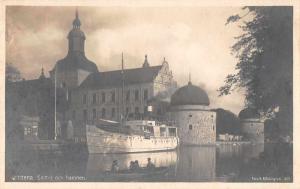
{"points": [[99, 163], [188, 163], [196, 163]]}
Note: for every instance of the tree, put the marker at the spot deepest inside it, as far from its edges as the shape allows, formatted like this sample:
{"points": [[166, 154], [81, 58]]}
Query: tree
{"points": [[265, 62], [227, 122], [12, 74]]}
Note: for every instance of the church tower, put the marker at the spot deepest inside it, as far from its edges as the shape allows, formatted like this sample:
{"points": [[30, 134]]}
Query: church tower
{"points": [[76, 36], [72, 70]]}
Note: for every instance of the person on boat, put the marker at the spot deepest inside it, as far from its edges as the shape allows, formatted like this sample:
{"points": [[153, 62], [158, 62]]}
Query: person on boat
{"points": [[131, 166], [136, 165], [115, 166], [150, 165]]}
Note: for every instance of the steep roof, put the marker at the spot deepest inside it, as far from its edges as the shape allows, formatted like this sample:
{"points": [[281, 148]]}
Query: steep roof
{"points": [[76, 60], [114, 78], [29, 85]]}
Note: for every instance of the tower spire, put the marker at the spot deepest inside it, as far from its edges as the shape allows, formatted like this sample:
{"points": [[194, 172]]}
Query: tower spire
{"points": [[190, 80], [76, 13], [76, 22], [42, 76], [146, 63]]}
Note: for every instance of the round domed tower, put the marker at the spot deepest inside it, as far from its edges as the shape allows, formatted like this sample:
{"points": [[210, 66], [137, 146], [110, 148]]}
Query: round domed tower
{"points": [[190, 111], [252, 125]]}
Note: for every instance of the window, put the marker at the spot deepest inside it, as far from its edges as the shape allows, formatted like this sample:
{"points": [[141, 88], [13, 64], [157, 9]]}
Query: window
{"points": [[113, 112], [136, 110], [103, 112], [94, 98], [146, 94], [73, 114], [103, 97], [190, 127], [128, 96], [84, 115], [84, 99], [94, 114], [127, 110], [69, 96], [136, 95], [113, 96], [159, 111], [190, 115]]}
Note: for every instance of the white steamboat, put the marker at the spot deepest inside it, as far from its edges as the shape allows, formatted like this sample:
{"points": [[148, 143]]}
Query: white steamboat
{"points": [[133, 136]]}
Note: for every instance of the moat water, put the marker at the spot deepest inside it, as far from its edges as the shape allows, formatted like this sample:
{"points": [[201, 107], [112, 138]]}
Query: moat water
{"points": [[225, 163]]}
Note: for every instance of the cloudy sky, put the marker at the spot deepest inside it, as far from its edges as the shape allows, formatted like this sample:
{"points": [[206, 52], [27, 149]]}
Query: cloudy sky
{"points": [[193, 39]]}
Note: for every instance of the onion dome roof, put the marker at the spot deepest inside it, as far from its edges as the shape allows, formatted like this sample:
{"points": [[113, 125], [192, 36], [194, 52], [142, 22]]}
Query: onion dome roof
{"points": [[190, 95], [249, 113]]}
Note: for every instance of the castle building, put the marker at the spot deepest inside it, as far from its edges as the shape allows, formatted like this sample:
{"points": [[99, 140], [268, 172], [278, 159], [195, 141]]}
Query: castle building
{"points": [[252, 125], [94, 95], [29, 108], [195, 121]]}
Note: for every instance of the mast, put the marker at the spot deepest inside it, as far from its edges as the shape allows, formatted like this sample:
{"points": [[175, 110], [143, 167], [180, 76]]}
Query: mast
{"points": [[122, 93], [55, 134]]}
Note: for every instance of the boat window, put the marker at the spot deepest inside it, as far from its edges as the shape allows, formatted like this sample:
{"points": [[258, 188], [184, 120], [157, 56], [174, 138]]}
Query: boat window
{"points": [[172, 132], [162, 131]]}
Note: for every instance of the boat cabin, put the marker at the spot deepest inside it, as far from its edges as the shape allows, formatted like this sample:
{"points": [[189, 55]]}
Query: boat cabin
{"points": [[152, 128]]}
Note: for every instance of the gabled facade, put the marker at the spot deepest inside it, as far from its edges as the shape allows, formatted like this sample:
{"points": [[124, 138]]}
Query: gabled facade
{"points": [[100, 95]]}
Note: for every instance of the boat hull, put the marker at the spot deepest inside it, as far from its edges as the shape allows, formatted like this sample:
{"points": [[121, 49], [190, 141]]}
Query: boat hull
{"points": [[101, 141]]}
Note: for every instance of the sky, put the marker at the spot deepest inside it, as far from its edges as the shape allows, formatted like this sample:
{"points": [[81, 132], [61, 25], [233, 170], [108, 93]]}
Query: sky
{"points": [[192, 39]]}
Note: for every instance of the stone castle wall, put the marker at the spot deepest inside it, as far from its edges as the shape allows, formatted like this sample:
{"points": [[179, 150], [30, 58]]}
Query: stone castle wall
{"points": [[195, 126], [253, 130]]}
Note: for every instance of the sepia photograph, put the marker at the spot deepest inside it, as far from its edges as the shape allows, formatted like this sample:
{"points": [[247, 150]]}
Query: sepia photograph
{"points": [[149, 94]]}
